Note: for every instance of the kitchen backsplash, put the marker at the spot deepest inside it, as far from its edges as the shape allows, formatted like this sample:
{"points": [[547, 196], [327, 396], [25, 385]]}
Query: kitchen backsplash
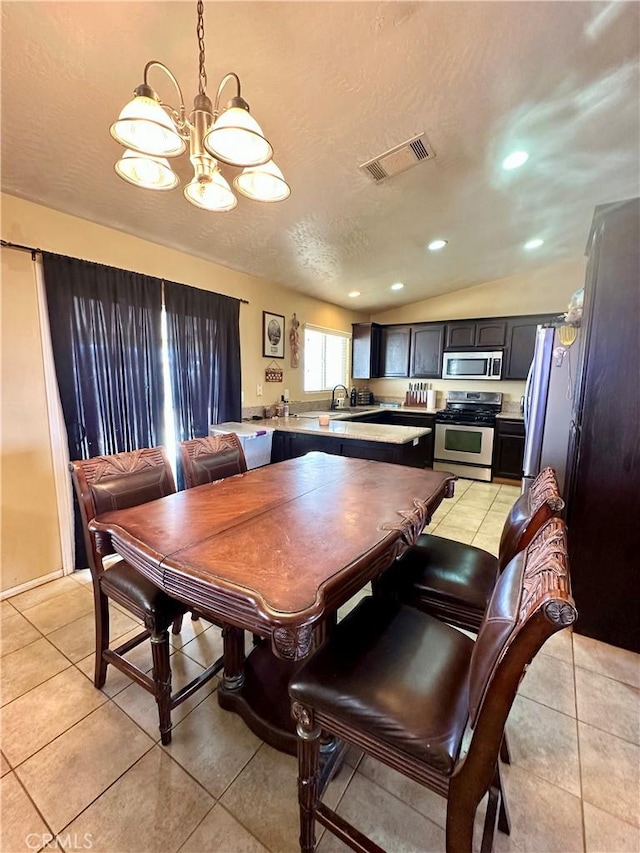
{"points": [[295, 407]]}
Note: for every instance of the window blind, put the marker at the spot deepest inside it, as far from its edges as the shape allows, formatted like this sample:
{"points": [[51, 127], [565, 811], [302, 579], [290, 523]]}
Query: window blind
{"points": [[326, 358]]}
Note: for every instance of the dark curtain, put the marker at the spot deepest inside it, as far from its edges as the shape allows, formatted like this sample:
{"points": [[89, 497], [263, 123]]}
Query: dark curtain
{"points": [[106, 329], [203, 334]]}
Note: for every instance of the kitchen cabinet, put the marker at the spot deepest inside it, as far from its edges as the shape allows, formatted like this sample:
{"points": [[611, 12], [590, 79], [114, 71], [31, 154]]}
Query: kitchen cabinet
{"points": [[400, 418], [508, 449], [365, 344], [520, 343], [603, 463], [415, 351], [426, 351], [288, 445], [476, 334], [395, 342]]}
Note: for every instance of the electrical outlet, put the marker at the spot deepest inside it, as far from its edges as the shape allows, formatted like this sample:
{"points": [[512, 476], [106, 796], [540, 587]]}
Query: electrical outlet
{"points": [[258, 390]]}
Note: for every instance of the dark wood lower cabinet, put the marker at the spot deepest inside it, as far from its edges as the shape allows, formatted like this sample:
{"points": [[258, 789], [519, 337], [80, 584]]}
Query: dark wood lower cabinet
{"points": [[287, 445], [399, 418], [508, 449]]}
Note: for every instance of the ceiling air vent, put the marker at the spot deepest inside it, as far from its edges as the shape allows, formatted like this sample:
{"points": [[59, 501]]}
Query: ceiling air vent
{"points": [[399, 159]]}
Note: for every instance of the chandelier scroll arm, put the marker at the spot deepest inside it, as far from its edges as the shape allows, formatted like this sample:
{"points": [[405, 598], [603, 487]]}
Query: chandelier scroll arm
{"points": [[230, 76], [179, 115]]}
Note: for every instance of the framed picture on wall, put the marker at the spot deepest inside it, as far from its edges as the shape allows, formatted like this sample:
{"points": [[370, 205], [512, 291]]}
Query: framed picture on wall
{"points": [[272, 335]]}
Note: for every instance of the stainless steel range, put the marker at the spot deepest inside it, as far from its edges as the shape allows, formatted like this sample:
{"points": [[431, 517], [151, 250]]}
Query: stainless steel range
{"points": [[464, 434]]}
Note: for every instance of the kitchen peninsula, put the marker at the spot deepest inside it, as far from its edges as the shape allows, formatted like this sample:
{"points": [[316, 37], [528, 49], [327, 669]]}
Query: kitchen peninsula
{"points": [[355, 433]]}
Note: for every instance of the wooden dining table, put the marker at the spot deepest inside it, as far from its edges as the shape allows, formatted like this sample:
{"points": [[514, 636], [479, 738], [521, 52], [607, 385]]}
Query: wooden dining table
{"points": [[275, 551]]}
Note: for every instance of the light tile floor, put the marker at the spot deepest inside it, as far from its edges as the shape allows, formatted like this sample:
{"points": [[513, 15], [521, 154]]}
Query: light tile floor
{"points": [[86, 765]]}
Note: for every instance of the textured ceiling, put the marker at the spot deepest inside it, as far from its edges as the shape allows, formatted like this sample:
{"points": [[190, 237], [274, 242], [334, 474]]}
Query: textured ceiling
{"points": [[334, 85]]}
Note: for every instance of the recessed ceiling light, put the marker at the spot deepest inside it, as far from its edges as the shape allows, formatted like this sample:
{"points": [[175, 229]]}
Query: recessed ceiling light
{"points": [[397, 286], [434, 245], [533, 244], [515, 160], [354, 293]]}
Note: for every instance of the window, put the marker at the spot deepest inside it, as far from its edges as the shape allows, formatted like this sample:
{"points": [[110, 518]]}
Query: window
{"points": [[326, 358]]}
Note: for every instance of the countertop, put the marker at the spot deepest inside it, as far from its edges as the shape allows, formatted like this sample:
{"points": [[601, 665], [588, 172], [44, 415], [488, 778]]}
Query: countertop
{"points": [[511, 416], [338, 427], [342, 414]]}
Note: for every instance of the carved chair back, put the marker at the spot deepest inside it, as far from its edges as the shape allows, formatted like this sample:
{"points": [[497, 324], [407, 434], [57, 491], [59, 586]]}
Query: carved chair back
{"points": [[531, 601], [540, 503], [205, 460], [116, 482]]}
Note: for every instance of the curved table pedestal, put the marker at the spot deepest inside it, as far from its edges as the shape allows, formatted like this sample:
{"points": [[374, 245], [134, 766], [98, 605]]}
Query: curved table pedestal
{"points": [[262, 700]]}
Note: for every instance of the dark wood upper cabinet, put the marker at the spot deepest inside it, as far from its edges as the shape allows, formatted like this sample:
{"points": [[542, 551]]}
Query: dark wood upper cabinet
{"points": [[521, 337], [521, 340], [415, 351], [491, 333], [461, 335], [395, 342], [476, 334], [365, 360], [426, 351]]}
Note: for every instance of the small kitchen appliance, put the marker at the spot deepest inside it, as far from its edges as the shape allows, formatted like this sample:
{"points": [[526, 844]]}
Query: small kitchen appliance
{"points": [[464, 433], [472, 365]]}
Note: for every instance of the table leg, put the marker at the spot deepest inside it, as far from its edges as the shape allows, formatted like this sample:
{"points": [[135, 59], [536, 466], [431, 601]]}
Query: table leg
{"points": [[260, 696], [233, 653], [256, 688]]}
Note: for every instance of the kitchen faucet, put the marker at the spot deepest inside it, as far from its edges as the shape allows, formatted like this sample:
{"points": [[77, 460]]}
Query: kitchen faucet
{"points": [[334, 404]]}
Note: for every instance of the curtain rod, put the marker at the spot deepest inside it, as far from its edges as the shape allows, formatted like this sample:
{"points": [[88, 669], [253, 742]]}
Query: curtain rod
{"points": [[35, 251]]}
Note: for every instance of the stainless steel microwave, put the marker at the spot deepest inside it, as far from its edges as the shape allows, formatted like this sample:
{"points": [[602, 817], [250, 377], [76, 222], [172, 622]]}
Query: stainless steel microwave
{"points": [[472, 365]]}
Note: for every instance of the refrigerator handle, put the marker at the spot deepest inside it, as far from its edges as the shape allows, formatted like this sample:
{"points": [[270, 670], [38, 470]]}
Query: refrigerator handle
{"points": [[527, 397]]}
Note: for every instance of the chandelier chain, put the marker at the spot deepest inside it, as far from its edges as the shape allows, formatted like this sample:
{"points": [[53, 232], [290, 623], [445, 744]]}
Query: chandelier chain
{"points": [[200, 33]]}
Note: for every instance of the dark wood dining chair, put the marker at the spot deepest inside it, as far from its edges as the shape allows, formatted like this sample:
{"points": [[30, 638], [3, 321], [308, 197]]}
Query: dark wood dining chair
{"points": [[205, 460], [405, 688], [454, 581], [116, 482]]}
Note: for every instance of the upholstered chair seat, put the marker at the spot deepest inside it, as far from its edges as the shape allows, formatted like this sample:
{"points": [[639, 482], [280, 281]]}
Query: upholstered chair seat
{"points": [[453, 580], [119, 481], [422, 709], [426, 700], [157, 610]]}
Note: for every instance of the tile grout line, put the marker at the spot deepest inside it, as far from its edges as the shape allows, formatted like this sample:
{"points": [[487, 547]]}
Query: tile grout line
{"points": [[110, 785], [395, 797], [32, 801], [218, 800], [575, 689]]}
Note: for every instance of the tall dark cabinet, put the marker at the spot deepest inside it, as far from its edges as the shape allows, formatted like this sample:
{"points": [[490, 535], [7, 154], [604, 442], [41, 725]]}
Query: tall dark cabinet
{"points": [[603, 473]]}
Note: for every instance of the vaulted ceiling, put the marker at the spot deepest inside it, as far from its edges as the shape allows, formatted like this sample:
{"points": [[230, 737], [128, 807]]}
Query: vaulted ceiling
{"points": [[334, 85]]}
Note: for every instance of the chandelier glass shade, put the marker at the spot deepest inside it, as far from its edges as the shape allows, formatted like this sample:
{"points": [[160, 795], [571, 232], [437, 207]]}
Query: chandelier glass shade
{"points": [[145, 127], [212, 194], [153, 132], [263, 183], [236, 138], [151, 173]]}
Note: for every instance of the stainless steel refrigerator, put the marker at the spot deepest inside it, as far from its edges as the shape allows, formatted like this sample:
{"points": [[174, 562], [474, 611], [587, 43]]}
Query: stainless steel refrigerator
{"points": [[548, 406]]}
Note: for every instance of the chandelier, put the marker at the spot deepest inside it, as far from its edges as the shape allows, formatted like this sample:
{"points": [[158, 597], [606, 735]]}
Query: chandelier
{"points": [[153, 132]]}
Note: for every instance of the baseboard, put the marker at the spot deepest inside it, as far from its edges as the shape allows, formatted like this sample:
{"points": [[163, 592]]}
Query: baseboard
{"points": [[506, 481], [23, 587]]}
